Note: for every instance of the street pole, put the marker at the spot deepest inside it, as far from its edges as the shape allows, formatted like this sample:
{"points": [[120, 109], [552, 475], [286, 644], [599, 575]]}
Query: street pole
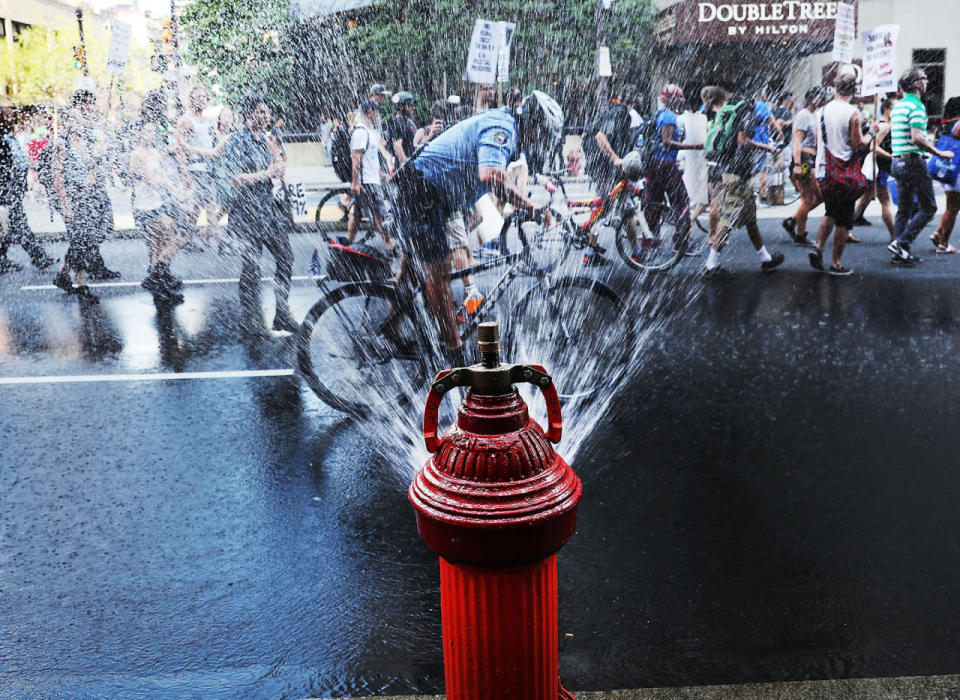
{"points": [[602, 82], [83, 45], [175, 36]]}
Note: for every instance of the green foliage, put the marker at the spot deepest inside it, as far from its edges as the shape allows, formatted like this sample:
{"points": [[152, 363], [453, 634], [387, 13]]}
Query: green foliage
{"points": [[239, 46], [40, 65], [421, 45]]}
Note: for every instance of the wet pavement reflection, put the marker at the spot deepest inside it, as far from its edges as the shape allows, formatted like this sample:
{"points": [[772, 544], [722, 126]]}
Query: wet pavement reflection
{"points": [[770, 498]]}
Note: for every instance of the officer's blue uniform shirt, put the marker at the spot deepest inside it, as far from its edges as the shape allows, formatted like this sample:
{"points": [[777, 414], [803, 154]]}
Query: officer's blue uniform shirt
{"points": [[450, 162], [762, 113]]}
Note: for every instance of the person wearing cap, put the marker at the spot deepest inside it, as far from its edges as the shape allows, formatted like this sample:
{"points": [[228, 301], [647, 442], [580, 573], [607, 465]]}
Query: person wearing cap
{"points": [[378, 93], [804, 141], [909, 139], [366, 176], [402, 129]]}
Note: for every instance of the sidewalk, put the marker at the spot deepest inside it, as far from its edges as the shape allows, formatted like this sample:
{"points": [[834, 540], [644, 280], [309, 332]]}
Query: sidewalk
{"points": [[914, 688]]}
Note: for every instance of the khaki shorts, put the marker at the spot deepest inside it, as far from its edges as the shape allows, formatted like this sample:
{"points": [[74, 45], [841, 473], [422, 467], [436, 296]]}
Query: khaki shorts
{"points": [[457, 232], [739, 206]]}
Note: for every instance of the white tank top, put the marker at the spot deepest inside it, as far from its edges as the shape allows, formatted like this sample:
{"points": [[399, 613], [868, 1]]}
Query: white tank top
{"points": [[202, 137], [836, 120], [147, 197]]}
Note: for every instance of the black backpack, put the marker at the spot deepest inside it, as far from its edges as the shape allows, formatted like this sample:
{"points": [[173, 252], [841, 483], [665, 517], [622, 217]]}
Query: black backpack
{"points": [[340, 154], [644, 139]]}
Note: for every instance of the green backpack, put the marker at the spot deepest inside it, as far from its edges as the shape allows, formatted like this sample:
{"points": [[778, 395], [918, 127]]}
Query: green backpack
{"points": [[721, 136]]}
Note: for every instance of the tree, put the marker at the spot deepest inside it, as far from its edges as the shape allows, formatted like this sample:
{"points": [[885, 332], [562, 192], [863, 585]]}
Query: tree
{"points": [[421, 45], [239, 46], [40, 66]]}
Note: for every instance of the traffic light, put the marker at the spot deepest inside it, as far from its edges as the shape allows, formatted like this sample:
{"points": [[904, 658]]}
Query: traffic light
{"points": [[79, 60]]}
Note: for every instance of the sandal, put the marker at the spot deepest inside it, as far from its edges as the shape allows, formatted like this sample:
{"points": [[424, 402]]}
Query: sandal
{"points": [[948, 249], [935, 239], [852, 239]]}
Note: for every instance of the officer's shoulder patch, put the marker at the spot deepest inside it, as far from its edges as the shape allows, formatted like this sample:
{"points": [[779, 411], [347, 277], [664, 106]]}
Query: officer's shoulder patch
{"points": [[501, 136]]}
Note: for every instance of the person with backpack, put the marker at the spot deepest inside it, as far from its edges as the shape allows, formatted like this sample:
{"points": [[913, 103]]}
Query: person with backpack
{"points": [[605, 143], [839, 138], [663, 175], [401, 129], [714, 98], [733, 146], [366, 176]]}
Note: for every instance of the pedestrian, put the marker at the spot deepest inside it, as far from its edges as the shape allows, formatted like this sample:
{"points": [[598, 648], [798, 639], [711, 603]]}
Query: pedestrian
{"points": [[879, 173], [802, 164], [739, 207], [201, 134], [839, 139], [605, 143], [908, 122], [367, 177], [714, 97], [663, 175], [14, 167], [401, 130], [75, 172], [156, 192], [433, 128], [941, 238], [764, 133], [486, 98], [254, 219]]}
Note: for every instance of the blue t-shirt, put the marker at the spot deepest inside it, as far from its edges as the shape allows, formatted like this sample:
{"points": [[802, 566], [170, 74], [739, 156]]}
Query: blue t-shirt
{"points": [[666, 117], [762, 113], [450, 162]]}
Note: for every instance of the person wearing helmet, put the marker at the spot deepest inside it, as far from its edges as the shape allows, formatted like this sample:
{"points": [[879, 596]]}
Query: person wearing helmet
{"points": [[663, 175], [401, 129], [451, 173]]}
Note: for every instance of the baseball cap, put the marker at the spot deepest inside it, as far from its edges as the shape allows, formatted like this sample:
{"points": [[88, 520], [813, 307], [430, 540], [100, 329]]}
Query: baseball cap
{"points": [[368, 105], [453, 99], [378, 89]]}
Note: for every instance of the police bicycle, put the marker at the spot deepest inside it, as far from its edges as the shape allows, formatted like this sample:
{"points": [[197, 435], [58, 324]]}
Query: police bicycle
{"points": [[368, 341]]}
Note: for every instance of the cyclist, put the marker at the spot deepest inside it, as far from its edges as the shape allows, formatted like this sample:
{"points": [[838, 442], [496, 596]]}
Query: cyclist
{"points": [[451, 173], [605, 144], [663, 175]]}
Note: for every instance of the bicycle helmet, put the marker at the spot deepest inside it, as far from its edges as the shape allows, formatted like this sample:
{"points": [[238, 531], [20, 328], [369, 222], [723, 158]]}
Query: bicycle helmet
{"points": [[632, 166], [541, 112], [401, 98]]}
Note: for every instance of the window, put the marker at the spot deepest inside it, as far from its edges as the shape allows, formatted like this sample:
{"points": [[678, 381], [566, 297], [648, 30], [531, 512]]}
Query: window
{"points": [[933, 62]]}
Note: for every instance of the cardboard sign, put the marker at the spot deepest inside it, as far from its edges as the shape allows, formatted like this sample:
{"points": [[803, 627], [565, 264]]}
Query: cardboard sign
{"points": [[505, 32], [845, 32], [604, 69], [119, 52], [482, 56], [880, 60]]}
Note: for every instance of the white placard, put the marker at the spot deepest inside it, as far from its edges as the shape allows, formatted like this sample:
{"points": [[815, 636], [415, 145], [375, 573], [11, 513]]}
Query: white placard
{"points": [[482, 56], [120, 33], [694, 160], [505, 32], [604, 69], [845, 32], [880, 60], [297, 199]]}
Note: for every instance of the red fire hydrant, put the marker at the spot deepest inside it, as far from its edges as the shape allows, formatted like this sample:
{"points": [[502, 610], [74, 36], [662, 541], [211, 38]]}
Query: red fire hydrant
{"points": [[497, 504]]}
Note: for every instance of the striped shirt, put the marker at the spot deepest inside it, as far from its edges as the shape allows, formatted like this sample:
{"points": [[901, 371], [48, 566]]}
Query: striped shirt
{"points": [[909, 113]]}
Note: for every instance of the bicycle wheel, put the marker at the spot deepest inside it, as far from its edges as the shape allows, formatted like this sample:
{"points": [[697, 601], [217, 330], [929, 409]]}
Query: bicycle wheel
{"points": [[577, 328], [348, 360], [659, 249], [333, 212]]}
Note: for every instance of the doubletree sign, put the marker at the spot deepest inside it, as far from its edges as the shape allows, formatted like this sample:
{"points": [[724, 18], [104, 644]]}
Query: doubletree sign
{"points": [[753, 20]]}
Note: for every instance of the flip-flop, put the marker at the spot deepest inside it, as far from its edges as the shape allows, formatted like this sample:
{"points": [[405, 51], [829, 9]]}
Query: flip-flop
{"points": [[852, 239], [935, 239], [947, 249]]}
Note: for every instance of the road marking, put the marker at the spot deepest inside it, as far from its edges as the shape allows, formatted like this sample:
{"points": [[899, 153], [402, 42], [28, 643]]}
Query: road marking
{"points": [[147, 377], [100, 285]]}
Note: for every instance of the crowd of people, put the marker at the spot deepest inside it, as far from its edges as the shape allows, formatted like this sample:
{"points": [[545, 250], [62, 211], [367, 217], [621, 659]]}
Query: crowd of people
{"points": [[184, 174]]}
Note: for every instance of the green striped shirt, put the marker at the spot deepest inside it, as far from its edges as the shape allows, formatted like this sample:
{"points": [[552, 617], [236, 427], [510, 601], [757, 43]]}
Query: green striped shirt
{"points": [[909, 113]]}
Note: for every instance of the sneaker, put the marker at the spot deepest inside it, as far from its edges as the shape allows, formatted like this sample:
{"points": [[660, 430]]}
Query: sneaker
{"points": [[472, 300], [9, 266], [816, 259], [63, 281], [775, 261], [790, 226], [861, 221], [283, 322], [897, 249], [716, 273], [839, 271], [592, 259], [897, 260], [911, 259]]}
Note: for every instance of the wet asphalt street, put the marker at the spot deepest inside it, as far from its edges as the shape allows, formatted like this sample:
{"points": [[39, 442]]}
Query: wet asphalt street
{"points": [[772, 495]]}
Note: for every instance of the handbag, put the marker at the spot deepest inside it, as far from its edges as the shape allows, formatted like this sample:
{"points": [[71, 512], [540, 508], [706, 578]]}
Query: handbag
{"points": [[945, 170], [844, 178]]}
